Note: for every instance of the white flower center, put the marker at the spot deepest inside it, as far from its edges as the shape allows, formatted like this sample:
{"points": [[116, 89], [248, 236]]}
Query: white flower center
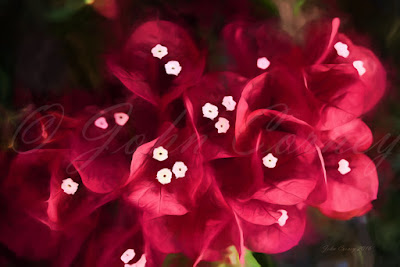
{"points": [[263, 63], [229, 103], [282, 220], [359, 66], [128, 255], [159, 51], [121, 118], [210, 111], [344, 167], [222, 125], [164, 176], [69, 186], [179, 169], [173, 67], [160, 153], [342, 49], [270, 161], [101, 123]]}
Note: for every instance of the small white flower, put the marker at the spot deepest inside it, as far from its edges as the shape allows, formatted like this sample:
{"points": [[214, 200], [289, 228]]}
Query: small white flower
{"points": [[359, 66], [121, 118], [128, 255], [159, 51], [222, 125], [69, 186], [229, 103], [342, 49], [179, 169], [282, 220], [173, 67], [210, 111], [263, 63], [270, 161], [164, 176], [344, 167], [160, 153], [101, 123]]}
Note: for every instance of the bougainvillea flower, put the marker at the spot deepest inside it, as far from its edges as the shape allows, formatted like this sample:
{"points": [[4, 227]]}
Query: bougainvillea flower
{"points": [[269, 228], [343, 94], [204, 233], [116, 239], [102, 154], [211, 106], [282, 90], [329, 77], [27, 227], [158, 75], [257, 48], [64, 208], [280, 146], [264, 227], [155, 185], [43, 193], [352, 181], [332, 55]]}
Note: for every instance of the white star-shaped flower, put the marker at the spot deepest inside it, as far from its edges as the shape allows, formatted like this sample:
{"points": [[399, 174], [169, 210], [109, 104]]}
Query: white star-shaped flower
{"points": [[344, 167], [359, 66], [263, 63], [173, 68], [160, 153], [101, 123], [222, 125], [282, 220], [229, 103], [121, 118], [210, 111], [164, 176], [69, 186], [128, 255], [179, 169], [270, 161], [342, 49], [159, 51]]}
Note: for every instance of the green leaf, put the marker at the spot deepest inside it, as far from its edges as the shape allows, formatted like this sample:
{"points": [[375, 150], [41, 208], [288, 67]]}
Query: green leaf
{"points": [[173, 260], [67, 10], [267, 5], [297, 6], [250, 261]]}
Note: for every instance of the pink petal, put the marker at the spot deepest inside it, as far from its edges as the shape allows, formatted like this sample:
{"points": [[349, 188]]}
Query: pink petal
{"points": [[275, 238], [352, 191]]}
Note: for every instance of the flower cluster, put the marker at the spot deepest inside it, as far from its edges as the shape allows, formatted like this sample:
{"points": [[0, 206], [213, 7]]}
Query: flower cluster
{"points": [[194, 162]]}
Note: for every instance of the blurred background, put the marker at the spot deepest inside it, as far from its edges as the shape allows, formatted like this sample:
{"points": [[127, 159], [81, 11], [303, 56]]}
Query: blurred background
{"points": [[50, 48]]}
